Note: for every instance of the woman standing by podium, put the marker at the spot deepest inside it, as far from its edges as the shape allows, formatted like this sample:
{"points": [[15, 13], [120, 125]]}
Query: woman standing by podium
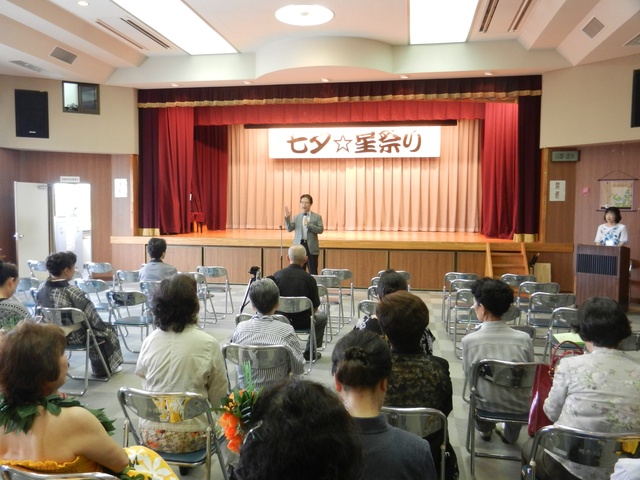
{"points": [[612, 233]]}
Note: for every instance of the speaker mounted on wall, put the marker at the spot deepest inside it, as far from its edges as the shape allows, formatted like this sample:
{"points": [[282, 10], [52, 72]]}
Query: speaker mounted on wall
{"points": [[635, 100], [32, 114]]}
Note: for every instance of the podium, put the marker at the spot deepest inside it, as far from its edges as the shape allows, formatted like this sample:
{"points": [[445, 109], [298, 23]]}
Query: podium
{"points": [[602, 272]]}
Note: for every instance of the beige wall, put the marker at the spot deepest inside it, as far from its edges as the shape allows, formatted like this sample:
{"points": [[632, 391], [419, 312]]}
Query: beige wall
{"points": [[589, 104], [114, 131]]}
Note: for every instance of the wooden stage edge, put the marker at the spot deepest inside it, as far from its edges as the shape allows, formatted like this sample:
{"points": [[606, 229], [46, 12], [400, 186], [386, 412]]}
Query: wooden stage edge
{"points": [[416, 241]]}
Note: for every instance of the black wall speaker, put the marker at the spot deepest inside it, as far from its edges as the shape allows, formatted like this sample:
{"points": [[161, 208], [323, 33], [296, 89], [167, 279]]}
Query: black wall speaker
{"points": [[635, 100], [32, 114]]}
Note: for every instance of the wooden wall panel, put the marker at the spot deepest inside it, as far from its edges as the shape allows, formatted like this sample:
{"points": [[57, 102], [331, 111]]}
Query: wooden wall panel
{"points": [[128, 257], [125, 218], [237, 261], [470, 262], [612, 161], [94, 169], [427, 269], [185, 259], [364, 264], [10, 168], [559, 218], [271, 260], [562, 269]]}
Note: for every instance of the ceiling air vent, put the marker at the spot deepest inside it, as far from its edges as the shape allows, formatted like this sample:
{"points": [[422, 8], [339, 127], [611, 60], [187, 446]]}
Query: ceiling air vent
{"points": [[119, 34], [593, 28], [522, 11], [27, 65], [63, 55], [146, 33], [488, 15], [634, 42]]}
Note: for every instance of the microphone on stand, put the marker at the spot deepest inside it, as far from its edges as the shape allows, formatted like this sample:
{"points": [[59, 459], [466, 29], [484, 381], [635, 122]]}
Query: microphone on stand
{"points": [[281, 253]]}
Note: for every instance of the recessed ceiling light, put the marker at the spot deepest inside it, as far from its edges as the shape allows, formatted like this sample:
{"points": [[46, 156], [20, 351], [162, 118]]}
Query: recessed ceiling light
{"points": [[488, 74], [175, 84], [304, 15], [404, 77], [83, 3], [324, 80], [247, 82]]}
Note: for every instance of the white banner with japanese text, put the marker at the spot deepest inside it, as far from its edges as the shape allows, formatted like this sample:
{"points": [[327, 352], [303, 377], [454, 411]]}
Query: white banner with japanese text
{"points": [[353, 142]]}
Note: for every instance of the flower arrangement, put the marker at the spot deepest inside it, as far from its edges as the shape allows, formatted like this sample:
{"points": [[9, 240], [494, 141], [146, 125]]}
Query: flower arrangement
{"points": [[236, 410]]}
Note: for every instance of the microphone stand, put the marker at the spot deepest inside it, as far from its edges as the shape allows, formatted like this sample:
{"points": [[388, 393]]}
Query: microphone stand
{"points": [[281, 257]]}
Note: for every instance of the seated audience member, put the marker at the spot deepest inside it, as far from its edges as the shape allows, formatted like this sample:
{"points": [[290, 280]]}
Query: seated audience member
{"points": [[416, 380], [496, 340], [264, 329], [390, 282], [179, 357], [58, 435], [598, 392], [294, 281], [361, 364], [156, 269], [14, 310], [300, 429], [57, 292]]}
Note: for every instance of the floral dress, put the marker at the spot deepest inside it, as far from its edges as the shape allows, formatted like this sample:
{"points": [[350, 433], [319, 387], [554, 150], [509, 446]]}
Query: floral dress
{"points": [[611, 236]]}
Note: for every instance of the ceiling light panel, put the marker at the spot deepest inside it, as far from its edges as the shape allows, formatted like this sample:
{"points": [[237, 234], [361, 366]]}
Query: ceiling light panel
{"points": [[179, 24], [304, 15], [438, 21]]}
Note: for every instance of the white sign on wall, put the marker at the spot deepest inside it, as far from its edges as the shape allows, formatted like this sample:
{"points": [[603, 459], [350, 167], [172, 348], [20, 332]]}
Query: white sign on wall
{"points": [[353, 142], [557, 190]]}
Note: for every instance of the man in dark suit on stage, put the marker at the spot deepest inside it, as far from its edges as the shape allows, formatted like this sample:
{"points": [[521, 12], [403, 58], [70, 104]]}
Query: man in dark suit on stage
{"points": [[293, 281], [308, 225]]}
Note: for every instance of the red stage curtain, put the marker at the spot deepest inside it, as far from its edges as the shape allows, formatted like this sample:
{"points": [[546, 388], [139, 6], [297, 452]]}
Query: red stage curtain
{"points": [[174, 169], [148, 142], [209, 185], [500, 171]]}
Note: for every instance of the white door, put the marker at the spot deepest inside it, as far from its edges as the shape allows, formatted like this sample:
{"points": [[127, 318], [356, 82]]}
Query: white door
{"points": [[32, 223]]}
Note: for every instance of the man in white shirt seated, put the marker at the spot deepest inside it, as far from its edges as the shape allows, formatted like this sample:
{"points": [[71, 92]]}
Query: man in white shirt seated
{"points": [[265, 329]]}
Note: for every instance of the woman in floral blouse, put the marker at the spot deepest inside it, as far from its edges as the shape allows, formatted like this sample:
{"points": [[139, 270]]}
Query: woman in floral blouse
{"points": [[598, 391]]}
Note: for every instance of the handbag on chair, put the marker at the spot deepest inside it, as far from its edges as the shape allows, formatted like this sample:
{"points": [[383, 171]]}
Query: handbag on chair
{"points": [[542, 385]]}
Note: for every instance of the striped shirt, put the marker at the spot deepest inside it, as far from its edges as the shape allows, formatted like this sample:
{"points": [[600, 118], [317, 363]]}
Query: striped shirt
{"points": [[265, 330], [498, 341]]}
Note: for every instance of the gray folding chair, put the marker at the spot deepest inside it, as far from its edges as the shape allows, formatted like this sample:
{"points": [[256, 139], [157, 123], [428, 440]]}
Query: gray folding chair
{"points": [[96, 287], [298, 305], [70, 320], [174, 408], [526, 289], [446, 288], [23, 292], [224, 286], [268, 363], [123, 277], [325, 283], [600, 451], [122, 307], [343, 274], [494, 379], [421, 421], [205, 296], [367, 307], [100, 269]]}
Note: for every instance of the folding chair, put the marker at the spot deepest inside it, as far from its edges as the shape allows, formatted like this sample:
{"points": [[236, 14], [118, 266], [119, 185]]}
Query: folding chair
{"points": [[446, 288], [367, 307], [9, 317], [125, 276], [589, 449], [18, 473], [499, 380], [100, 269], [224, 287], [526, 289], [174, 408], [70, 320], [205, 296], [541, 307], [326, 302], [268, 363], [515, 280], [343, 274], [149, 288], [462, 315], [562, 318], [631, 343], [38, 269], [423, 422], [95, 287], [119, 301], [454, 286], [23, 292], [298, 305]]}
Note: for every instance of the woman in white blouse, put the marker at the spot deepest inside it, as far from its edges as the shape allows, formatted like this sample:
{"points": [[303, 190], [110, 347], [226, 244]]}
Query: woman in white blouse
{"points": [[612, 233], [598, 391]]}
